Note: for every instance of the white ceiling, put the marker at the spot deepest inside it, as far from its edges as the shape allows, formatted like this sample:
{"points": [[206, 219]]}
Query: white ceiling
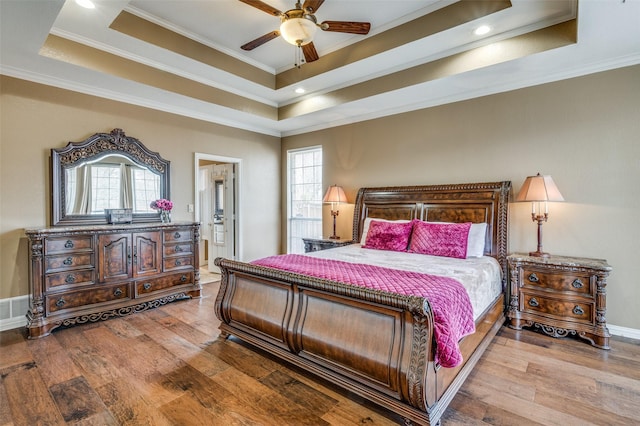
{"points": [[608, 37]]}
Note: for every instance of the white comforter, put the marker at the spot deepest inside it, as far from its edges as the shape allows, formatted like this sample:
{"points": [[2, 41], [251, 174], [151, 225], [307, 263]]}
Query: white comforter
{"points": [[481, 276]]}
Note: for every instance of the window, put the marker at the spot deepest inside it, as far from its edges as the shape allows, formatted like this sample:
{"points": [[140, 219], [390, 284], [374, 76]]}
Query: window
{"points": [[305, 196]]}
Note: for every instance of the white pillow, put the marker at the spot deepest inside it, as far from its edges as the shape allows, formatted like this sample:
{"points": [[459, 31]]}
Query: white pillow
{"points": [[367, 221], [475, 241]]}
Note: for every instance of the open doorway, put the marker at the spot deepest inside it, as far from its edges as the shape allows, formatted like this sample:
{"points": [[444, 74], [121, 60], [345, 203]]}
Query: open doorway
{"points": [[216, 200]]}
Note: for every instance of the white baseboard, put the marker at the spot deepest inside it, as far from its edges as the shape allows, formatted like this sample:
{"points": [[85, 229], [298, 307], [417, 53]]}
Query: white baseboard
{"points": [[13, 311], [631, 333]]}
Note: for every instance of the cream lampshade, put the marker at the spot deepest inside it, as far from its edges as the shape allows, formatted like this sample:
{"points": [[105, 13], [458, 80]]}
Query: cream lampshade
{"points": [[539, 189], [334, 195], [298, 31]]}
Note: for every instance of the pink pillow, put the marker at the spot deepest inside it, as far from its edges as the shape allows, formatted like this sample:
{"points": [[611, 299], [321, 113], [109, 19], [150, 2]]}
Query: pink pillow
{"points": [[440, 239], [388, 235]]}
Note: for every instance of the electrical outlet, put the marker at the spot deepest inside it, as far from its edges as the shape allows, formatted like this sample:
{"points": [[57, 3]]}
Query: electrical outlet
{"points": [[190, 208]]}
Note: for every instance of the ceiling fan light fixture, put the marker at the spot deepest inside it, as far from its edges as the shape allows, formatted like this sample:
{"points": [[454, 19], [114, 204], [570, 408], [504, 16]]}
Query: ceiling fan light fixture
{"points": [[298, 31]]}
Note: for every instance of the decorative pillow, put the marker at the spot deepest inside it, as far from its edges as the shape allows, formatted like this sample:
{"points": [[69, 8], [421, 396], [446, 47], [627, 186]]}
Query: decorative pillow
{"points": [[440, 239], [383, 235], [367, 222], [475, 242]]}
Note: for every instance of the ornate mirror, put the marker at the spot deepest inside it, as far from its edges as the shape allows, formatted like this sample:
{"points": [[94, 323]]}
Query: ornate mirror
{"points": [[106, 171]]}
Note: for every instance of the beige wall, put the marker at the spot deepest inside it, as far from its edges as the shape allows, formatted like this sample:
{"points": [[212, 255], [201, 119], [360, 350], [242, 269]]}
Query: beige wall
{"points": [[36, 118], [584, 132]]}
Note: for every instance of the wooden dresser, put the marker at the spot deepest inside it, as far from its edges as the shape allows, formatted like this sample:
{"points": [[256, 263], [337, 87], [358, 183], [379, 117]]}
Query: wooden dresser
{"points": [[84, 274], [559, 295]]}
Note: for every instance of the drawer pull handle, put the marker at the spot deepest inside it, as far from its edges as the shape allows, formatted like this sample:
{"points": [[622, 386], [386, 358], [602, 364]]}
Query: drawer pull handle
{"points": [[534, 302], [68, 261], [117, 292], [533, 277], [577, 283], [146, 286], [60, 302], [70, 279], [176, 235], [178, 249], [178, 262], [68, 244], [578, 310], [183, 278]]}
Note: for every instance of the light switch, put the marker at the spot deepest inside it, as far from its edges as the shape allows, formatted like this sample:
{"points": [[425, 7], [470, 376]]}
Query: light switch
{"points": [[190, 208]]}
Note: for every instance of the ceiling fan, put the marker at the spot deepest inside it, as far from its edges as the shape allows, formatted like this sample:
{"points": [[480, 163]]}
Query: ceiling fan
{"points": [[299, 25]]}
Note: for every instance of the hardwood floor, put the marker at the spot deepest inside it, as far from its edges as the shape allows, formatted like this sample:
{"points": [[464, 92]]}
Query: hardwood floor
{"points": [[167, 367]]}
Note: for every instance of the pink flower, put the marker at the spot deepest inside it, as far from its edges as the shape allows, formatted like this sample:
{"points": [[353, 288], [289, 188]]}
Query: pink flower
{"points": [[162, 204]]}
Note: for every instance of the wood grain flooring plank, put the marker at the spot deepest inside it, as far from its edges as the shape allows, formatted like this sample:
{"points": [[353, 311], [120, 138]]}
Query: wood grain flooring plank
{"points": [[247, 361], [466, 409], [582, 410], [313, 400], [95, 368], [134, 364], [14, 348], [186, 411], [29, 399], [273, 406], [128, 406], [48, 352], [76, 399], [5, 411]]}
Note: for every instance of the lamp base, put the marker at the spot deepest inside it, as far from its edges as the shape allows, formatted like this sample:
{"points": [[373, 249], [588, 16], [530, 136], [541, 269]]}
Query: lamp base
{"points": [[334, 237], [538, 254]]}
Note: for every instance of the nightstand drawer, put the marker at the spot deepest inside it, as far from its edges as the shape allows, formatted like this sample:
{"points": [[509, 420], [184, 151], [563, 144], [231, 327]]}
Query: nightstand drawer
{"points": [[557, 281], [561, 309]]}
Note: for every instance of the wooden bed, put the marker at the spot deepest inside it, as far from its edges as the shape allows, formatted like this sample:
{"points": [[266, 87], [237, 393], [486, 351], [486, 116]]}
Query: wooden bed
{"points": [[392, 364]]}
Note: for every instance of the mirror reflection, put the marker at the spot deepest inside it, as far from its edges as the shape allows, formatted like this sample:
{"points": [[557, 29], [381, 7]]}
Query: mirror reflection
{"points": [[110, 182]]}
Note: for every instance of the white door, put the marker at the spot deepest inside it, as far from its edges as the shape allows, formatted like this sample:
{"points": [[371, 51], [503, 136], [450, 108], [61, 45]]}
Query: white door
{"points": [[205, 198], [221, 241]]}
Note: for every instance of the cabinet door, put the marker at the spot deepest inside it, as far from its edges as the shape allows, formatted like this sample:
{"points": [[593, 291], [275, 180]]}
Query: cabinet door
{"points": [[147, 253], [114, 257]]}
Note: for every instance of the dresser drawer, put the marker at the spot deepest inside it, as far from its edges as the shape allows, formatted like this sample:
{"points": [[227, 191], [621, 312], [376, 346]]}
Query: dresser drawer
{"points": [[91, 296], [178, 236], [562, 309], [149, 286], [68, 279], [68, 244], [557, 281], [68, 261], [178, 249], [177, 263]]}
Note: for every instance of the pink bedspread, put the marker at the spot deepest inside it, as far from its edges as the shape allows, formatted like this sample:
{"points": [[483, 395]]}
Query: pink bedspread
{"points": [[452, 311]]}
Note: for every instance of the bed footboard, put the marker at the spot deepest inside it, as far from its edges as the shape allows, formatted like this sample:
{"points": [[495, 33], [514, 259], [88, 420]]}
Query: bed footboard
{"points": [[377, 345]]}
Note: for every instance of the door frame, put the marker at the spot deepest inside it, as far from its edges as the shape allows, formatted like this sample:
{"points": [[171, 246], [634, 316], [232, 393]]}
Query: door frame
{"points": [[237, 194]]}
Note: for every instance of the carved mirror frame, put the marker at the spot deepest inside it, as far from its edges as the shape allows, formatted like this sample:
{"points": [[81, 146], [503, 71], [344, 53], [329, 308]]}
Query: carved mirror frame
{"points": [[98, 145]]}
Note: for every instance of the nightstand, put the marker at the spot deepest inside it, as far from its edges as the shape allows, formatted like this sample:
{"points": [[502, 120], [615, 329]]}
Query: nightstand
{"points": [[559, 295], [317, 244]]}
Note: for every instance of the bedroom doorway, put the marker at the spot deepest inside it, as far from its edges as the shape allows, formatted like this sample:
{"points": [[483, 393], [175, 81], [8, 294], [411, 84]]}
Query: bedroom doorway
{"points": [[216, 200]]}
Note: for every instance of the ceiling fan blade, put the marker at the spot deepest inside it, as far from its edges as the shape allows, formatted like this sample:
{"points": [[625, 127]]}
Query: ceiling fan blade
{"points": [[310, 53], [346, 27], [263, 7], [311, 6], [260, 40]]}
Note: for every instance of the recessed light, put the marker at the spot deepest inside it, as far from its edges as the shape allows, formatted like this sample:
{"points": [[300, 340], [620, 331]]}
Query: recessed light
{"points": [[88, 4], [482, 30], [300, 90]]}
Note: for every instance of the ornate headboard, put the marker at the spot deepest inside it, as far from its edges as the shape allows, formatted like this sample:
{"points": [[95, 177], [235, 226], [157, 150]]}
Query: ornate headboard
{"points": [[468, 202]]}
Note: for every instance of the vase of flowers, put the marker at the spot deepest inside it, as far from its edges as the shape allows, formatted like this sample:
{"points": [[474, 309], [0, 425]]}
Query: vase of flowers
{"points": [[164, 206]]}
